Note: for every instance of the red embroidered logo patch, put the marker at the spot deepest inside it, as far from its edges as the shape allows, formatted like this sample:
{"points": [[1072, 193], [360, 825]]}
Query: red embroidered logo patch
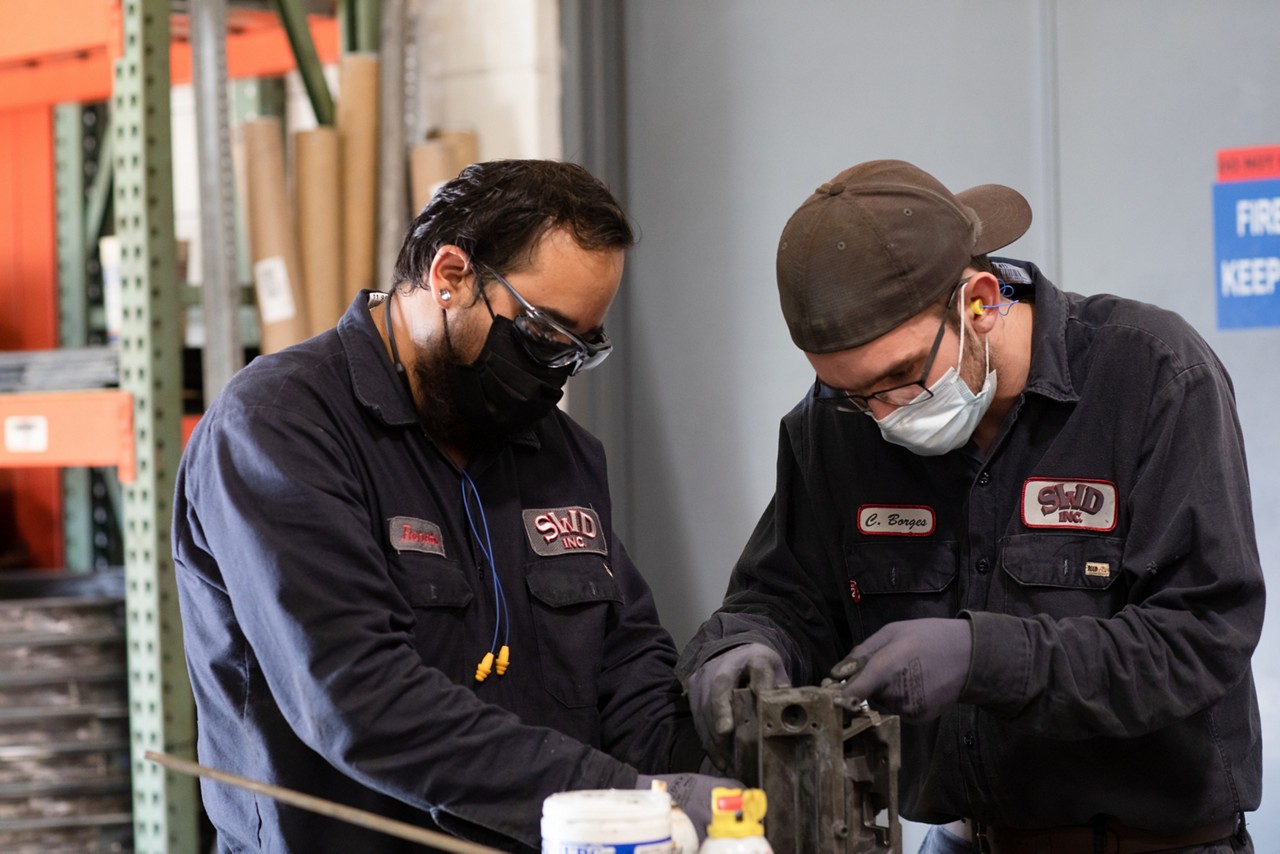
{"points": [[408, 534], [1086, 505]]}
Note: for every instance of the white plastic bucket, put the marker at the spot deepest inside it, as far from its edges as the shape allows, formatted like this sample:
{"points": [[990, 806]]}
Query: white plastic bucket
{"points": [[607, 821]]}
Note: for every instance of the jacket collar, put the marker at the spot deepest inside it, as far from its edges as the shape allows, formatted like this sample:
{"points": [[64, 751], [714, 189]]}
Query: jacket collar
{"points": [[373, 375], [1050, 373]]}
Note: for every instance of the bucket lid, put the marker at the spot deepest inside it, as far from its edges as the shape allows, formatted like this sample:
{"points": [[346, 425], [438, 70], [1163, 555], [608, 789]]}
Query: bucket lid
{"points": [[607, 804]]}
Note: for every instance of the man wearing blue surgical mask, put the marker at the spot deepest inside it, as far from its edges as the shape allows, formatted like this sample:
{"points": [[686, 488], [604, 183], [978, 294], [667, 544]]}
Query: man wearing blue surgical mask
{"points": [[1018, 518]]}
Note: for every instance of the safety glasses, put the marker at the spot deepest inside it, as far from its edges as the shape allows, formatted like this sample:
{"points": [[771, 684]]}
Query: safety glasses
{"points": [[549, 342], [906, 394]]}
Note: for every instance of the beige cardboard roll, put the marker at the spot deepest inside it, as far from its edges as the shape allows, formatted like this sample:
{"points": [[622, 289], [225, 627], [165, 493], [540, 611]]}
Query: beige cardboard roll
{"points": [[273, 240], [464, 143], [317, 182], [430, 165], [357, 121]]}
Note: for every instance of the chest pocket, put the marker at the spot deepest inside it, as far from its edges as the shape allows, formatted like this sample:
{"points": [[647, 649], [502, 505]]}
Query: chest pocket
{"points": [[1063, 575], [438, 592], [900, 579], [573, 601]]}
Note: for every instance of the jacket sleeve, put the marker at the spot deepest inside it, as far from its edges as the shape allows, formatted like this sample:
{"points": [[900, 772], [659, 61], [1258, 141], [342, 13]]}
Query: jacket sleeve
{"points": [[645, 717], [274, 499], [1194, 610], [789, 589]]}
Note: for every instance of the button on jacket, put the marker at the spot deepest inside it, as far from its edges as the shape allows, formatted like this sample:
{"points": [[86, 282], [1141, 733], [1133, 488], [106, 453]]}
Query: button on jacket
{"points": [[336, 602], [1103, 550]]}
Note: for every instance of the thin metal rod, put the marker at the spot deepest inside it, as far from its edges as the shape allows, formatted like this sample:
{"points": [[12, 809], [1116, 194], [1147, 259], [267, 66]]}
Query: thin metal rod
{"points": [[351, 815], [220, 286], [393, 172], [294, 17]]}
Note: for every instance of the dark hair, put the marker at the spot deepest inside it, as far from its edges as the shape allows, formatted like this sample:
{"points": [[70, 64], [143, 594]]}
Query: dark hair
{"points": [[497, 211]]}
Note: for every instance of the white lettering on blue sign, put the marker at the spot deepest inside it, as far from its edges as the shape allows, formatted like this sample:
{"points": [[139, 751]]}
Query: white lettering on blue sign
{"points": [[1247, 246], [1257, 217]]}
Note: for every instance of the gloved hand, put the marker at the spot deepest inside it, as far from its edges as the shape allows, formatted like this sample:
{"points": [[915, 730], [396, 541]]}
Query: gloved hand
{"points": [[711, 690], [692, 793], [914, 668]]}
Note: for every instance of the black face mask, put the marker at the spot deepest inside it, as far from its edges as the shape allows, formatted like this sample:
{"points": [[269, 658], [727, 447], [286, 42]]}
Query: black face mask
{"points": [[504, 391]]}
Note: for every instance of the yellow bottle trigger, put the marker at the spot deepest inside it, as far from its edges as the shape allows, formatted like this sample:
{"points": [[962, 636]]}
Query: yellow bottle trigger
{"points": [[737, 813], [485, 667], [504, 659]]}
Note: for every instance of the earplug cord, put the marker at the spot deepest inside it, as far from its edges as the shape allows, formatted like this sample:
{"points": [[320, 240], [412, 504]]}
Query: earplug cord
{"points": [[1006, 291], [501, 616]]}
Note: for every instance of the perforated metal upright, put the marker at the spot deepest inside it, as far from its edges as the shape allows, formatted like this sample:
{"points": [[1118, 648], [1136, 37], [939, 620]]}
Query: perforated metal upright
{"points": [[161, 710]]}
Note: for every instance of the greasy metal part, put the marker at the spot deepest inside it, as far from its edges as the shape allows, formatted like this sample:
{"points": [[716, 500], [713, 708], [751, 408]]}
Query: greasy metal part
{"points": [[320, 806], [220, 288], [829, 769]]}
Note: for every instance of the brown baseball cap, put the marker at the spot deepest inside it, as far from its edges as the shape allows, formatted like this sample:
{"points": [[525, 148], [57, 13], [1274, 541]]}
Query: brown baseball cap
{"points": [[878, 244]]}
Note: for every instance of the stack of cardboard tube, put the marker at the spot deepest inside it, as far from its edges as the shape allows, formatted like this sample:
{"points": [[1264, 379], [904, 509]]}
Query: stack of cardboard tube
{"points": [[313, 252]]}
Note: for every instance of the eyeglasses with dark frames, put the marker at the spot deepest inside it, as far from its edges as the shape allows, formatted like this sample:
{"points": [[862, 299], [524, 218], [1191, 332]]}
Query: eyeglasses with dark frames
{"points": [[548, 342], [906, 394]]}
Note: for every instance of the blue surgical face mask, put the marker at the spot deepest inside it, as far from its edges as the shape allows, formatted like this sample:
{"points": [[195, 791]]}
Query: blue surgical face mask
{"points": [[946, 420]]}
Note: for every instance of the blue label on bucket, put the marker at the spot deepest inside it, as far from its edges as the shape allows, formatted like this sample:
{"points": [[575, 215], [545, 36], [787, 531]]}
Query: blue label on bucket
{"points": [[656, 846]]}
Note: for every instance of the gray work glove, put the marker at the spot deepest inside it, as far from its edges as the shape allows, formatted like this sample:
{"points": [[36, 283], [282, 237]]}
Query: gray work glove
{"points": [[914, 668], [711, 693], [692, 793]]}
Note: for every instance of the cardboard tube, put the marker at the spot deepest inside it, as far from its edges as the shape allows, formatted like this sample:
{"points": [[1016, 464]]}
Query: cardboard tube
{"points": [[357, 121], [273, 241], [464, 144], [317, 183], [430, 165]]}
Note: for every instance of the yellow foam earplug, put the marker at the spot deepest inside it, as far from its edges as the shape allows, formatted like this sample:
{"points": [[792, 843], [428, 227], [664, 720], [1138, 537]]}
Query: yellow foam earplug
{"points": [[976, 307]]}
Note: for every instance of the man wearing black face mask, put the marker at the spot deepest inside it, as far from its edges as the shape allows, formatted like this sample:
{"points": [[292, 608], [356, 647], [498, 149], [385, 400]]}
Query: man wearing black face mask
{"points": [[399, 580]]}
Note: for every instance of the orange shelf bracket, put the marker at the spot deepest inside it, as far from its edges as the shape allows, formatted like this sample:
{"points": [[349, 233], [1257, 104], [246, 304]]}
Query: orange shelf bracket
{"points": [[68, 428]]}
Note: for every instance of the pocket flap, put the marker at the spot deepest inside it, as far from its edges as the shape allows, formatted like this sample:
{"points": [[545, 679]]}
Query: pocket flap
{"points": [[429, 581], [1069, 561], [561, 582], [903, 566]]}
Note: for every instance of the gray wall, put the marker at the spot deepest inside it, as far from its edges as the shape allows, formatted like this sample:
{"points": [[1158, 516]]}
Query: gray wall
{"points": [[1105, 114]]}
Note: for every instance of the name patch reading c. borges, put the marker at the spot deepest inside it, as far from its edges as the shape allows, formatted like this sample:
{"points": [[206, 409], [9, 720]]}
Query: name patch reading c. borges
{"points": [[408, 534], [564, 530], [896, 520]]}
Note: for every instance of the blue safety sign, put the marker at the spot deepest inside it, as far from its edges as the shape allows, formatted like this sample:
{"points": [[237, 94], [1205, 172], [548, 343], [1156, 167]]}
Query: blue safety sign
{"points": [[1246, 217]]}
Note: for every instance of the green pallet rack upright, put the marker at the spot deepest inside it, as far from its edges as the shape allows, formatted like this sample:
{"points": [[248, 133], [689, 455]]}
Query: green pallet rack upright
{"points": [[161, 713]]}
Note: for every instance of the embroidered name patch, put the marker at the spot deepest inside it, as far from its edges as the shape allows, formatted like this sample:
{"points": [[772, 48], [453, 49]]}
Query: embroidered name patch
{"points": [[898, 520], [408, 534], [564, 530], [1086, 505]]}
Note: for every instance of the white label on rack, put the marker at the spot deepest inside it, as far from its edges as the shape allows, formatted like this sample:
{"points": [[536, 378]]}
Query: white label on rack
{"points": [[275, 296], [26, 434]]}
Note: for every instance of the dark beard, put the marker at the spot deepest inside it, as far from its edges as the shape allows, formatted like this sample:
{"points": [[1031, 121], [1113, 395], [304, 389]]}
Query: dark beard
{"points": [[437, 406]]}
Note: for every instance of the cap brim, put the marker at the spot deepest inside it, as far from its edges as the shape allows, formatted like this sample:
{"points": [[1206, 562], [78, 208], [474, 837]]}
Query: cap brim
{"points": [[1003, 213]]}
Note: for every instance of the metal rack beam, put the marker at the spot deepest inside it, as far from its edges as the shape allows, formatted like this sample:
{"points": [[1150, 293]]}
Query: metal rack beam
{"points": [[161, 713]]}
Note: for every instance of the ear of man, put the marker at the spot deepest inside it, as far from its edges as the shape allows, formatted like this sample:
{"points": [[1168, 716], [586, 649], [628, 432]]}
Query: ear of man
{"points": [[451, 279]]}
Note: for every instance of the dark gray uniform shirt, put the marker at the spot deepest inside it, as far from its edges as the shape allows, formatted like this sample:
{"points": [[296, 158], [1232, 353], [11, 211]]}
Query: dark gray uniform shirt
{"points": [[1103, 549], [335, 604]]}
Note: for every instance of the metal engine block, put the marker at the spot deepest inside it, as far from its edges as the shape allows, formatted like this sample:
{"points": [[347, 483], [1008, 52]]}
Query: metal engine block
{"points": [[828, 767]]}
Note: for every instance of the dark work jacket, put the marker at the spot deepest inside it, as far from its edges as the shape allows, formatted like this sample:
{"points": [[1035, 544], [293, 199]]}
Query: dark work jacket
{"points": [[335, 603], [1103, 550]]}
